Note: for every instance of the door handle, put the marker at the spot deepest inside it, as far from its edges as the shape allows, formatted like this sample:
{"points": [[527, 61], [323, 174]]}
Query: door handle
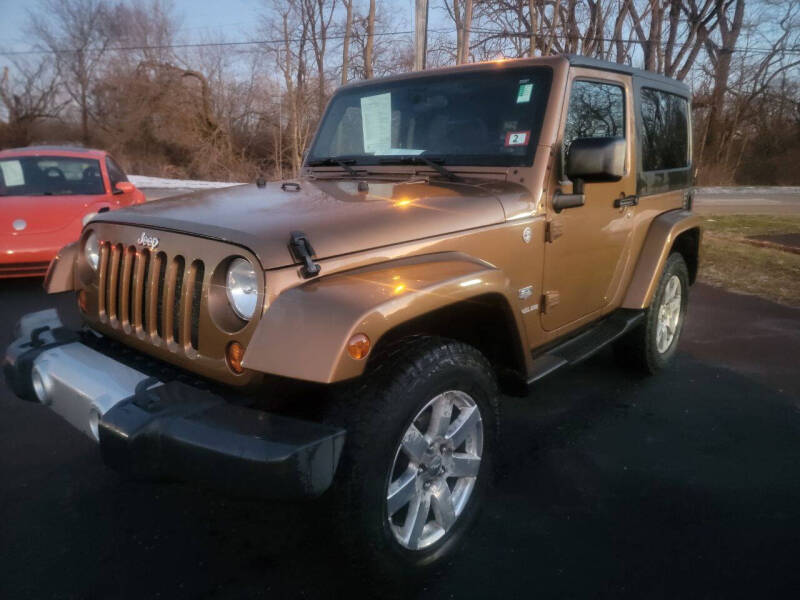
{"points": [[624, 201]]}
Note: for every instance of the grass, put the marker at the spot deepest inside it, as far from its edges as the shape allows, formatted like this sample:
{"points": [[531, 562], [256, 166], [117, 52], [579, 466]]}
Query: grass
{"points": [[729, 262], [747, 225]]}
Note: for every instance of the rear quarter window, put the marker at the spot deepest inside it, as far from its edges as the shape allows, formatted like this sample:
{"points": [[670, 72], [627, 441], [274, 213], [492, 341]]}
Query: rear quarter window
{"points": [[664, 130]]}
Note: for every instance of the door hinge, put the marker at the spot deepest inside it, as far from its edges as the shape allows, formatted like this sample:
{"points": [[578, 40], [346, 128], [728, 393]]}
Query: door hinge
{"points": [[555, 229], [550, 300]]}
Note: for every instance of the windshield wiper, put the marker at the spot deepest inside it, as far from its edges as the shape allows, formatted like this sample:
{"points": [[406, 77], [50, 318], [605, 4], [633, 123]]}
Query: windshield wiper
{"points": [[416, 159], [342, 162]]}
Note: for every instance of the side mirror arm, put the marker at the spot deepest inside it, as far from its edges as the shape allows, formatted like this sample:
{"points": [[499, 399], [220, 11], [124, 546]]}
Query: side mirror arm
{"points": [[574, 200]]}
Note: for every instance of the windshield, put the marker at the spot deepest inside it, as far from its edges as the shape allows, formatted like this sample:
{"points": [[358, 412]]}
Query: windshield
{"points": [[474, 118], [49, 176]]}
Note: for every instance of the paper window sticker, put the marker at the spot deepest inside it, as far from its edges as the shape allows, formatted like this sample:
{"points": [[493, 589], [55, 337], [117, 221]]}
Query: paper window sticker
{"points": [[517, 138], [376, 122], [12, 173], [524, 93]]}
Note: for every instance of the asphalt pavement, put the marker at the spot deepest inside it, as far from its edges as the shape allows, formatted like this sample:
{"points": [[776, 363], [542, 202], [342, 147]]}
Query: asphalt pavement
{"points": [[685, 485]]}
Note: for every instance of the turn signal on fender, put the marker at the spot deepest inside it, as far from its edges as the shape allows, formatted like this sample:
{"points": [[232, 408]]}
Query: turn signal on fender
{"points": [[358, 346], [234, 355], [82, 301]]}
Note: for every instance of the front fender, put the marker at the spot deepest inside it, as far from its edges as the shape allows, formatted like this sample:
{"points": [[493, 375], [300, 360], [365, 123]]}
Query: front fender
{"points": [[60, 273], [303, 334], [661, 236]]}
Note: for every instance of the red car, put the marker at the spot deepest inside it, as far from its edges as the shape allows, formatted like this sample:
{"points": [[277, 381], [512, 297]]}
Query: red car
{"points": [[46, 193]]}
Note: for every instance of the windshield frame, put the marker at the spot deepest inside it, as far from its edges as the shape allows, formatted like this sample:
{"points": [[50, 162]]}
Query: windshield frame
{"points": [[544, 74]]}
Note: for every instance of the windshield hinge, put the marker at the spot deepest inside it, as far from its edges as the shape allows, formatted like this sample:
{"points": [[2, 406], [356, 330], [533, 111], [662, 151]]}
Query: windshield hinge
{"points": [[302, 251], [555, 229]]}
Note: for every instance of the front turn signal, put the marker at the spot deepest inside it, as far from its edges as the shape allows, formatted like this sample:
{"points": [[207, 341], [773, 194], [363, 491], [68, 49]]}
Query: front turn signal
{"points": [[83, 302], [358, 346], [234, 354]]}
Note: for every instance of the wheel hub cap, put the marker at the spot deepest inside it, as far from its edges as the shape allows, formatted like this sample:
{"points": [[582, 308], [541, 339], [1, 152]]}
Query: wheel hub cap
{"points": [[434, 470], [669, 314]]}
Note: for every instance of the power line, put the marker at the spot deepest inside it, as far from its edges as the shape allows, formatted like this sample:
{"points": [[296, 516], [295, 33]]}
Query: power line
{"points": [[561, 36], [498, 33], [196, 44]]}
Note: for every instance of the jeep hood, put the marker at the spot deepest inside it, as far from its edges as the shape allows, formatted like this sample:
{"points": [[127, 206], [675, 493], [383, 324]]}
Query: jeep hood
{"points": [[336, 217]]}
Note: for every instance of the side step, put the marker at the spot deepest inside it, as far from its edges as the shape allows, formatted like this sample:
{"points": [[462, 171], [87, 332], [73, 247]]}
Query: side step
{"points": [[586, 343]]}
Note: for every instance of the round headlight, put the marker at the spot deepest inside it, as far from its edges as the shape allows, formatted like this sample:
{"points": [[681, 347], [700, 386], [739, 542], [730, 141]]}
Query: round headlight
{"points": [[91, 249], [242, 288]]}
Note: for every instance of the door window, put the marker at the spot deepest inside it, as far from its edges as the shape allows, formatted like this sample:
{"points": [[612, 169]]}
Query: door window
{"points": [[595, 110], [115, 172]]}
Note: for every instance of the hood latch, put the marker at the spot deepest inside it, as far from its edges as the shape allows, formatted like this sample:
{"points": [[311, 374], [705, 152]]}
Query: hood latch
{"points": [[302, 251]]}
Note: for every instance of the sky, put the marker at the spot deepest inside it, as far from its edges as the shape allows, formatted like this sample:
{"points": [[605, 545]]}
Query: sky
{"points": [[235, 19]]}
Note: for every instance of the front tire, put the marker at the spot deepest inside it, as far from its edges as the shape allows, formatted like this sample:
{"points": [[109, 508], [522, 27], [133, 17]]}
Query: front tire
{"points": [[651, 346], [421, 434]]}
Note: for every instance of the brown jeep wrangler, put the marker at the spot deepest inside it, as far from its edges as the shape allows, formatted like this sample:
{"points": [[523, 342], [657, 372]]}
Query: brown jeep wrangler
{"points": [[453, 233]]}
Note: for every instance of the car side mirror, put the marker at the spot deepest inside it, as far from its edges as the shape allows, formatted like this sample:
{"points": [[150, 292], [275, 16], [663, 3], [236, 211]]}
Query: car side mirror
{"points": [[124, 187], [595, 159]]}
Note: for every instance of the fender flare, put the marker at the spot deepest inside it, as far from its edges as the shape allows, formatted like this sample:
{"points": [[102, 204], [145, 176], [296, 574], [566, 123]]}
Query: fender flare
{"points": [[304, 332], [60, 275], [661, 236]]}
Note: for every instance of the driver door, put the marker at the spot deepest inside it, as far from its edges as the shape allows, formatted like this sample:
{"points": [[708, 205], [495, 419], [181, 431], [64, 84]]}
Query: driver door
{"points": [[586, 254]]}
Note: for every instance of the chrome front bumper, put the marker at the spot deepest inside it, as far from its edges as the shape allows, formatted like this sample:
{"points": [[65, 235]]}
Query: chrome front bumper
{"points": [[167, 429], [82, 385], [48, 363]]}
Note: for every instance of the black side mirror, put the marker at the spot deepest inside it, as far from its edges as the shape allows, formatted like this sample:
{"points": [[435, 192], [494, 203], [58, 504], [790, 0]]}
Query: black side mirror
{"points": [[595, 159], [590, 159]]}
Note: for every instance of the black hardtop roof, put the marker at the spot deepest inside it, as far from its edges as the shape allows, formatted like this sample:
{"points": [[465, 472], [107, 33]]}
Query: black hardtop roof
{"points": [[647, 78]]}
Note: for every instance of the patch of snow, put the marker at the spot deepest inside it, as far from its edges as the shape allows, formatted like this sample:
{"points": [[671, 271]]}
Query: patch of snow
{"points": [[144, 182], [749, 189]]}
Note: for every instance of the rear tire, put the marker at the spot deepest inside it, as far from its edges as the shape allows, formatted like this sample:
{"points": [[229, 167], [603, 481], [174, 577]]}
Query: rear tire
{"points": [[402, 501], [651, 346]]}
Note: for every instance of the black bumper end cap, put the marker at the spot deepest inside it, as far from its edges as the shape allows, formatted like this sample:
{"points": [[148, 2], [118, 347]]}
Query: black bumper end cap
{"points": [[178, 432]]}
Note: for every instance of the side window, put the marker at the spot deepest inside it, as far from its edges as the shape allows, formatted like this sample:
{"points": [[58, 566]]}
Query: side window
{"points": [[115, 172], [595, 110], [664, 131]]}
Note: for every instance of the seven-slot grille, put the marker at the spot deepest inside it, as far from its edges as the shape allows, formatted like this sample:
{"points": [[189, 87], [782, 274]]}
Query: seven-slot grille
{"points": [[150, 294]]}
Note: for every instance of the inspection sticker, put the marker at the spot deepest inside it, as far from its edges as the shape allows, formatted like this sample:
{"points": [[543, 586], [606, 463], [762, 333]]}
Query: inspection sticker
{"points": [[524, 93], [517, 138]]}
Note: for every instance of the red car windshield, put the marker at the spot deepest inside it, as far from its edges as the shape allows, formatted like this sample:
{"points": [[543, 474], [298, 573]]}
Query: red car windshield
{"points": [[50, 176]]}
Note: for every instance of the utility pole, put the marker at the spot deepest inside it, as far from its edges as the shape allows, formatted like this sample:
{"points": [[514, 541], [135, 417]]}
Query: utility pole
{"points": [[420, 34]]}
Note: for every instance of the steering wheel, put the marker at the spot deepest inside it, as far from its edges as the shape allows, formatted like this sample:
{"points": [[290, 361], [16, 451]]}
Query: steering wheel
{"points": [[54, 173]]}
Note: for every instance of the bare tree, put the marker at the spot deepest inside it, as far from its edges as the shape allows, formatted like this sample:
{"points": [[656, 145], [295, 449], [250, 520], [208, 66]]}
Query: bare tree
{"points": [[720, 54], [461, 13], [348, 31], [319, 14], [75, 32], [29, 96], [370, 46], [288, 21], [671, 33]]}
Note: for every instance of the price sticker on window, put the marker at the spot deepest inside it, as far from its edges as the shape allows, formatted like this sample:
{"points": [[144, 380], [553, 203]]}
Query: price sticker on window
{"points": [[524, 93], [517, 138]]}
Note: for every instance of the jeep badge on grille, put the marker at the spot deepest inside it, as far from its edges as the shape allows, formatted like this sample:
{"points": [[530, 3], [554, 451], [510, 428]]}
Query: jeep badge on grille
{"points": [[148, 241]]}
